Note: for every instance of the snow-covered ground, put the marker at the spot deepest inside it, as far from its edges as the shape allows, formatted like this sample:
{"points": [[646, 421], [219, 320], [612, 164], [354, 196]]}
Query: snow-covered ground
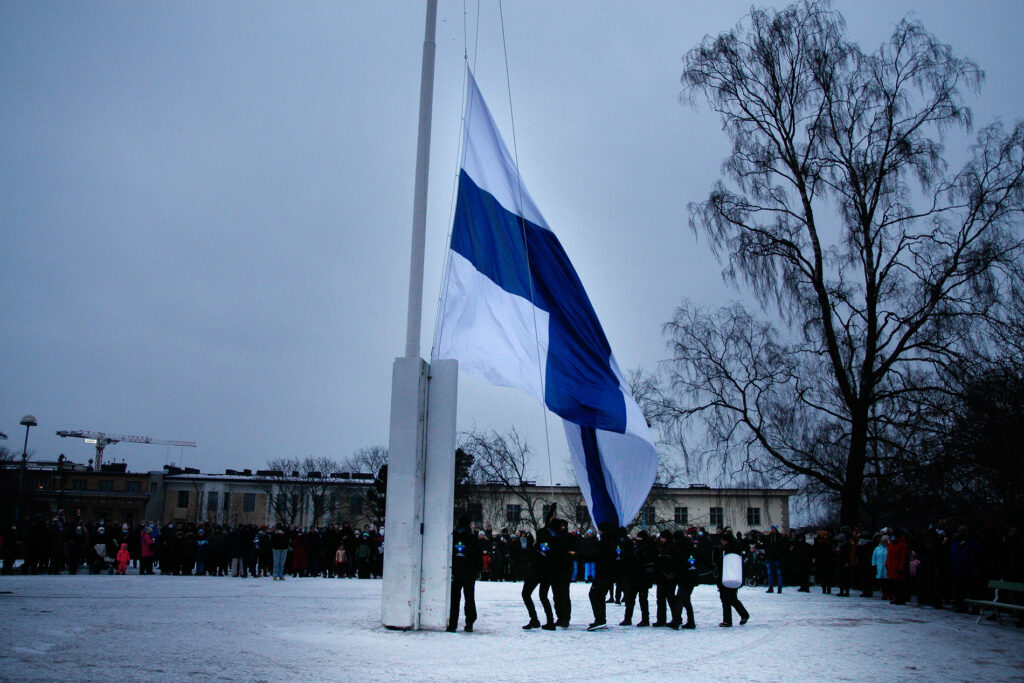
{"points": [[205, 628]]}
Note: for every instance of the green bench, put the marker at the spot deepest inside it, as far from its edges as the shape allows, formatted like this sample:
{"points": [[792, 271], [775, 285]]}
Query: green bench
{"points": [[998, 605]]}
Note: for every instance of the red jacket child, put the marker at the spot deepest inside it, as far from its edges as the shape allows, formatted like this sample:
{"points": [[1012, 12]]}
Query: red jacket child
{"points": [[122, 559], [896, 562]]}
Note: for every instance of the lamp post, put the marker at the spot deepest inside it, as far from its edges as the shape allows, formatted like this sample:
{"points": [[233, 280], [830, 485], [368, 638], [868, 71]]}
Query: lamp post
{"points": [[29, 421]]}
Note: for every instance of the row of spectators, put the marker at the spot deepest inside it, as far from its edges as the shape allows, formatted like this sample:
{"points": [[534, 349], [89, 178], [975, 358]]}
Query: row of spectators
{"points": [[243, 550], [848, 559], [934, 565]]}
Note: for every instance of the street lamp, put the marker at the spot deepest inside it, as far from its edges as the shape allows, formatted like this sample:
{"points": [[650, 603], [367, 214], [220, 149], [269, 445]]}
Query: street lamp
{"points": [[29, 421]]}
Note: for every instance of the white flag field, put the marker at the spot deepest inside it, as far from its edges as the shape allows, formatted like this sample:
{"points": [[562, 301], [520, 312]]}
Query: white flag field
{"points": [[516, 315]]}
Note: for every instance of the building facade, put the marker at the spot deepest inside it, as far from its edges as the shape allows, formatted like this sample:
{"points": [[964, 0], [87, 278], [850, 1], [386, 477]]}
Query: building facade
{"points": [[269, 497], [47, 487], [528, 505], [264, 498]]}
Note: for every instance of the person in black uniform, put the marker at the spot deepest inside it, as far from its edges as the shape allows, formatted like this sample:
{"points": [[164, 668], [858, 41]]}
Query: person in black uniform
{"points": [[624, 569], [561, 571], [665, 563], [728, 596], [642, 580], [687, 575], [604, 564], [538, 573], [466, 560]]}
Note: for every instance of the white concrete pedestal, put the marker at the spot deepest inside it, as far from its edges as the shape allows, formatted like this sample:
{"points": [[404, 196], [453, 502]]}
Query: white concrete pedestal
{"points": [[420, 495]]}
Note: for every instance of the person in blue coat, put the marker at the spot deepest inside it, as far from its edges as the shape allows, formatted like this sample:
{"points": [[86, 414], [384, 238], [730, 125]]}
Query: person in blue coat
{"points": [[878, 558]]}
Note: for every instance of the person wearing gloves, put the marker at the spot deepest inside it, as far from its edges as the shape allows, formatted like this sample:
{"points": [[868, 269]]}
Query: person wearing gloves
{"points": [[466, 564]]}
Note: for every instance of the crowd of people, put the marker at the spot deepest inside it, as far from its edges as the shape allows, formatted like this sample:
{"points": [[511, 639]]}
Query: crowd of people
{"points": [[938, 566], [620, 567], [241, 550]]}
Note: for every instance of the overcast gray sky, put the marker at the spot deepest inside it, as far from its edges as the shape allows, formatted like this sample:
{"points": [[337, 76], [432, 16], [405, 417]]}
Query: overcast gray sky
{"points": [[205, 207]]}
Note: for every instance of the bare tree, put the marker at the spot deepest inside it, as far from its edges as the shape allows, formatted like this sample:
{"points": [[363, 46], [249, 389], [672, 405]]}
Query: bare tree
{"points": [[746, 385], [499, 460], [285, 489], [969, 462], [842, 216], [289, 482], [463, 482], [372, 498], [574, 501], [317, 471], [9, 455]]}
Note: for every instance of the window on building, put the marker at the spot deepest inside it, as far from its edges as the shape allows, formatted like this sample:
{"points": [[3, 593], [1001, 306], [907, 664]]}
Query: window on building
{"points": [[476, 512], [133, 486], [355, 505], [513, 513], [227, 501], [753, 516], [582, 515], [648, 515], [106, 484], [716, 517], [211, 501], [152, 487], [248, 502], [182, 499], [682, 516], [78, 484]]}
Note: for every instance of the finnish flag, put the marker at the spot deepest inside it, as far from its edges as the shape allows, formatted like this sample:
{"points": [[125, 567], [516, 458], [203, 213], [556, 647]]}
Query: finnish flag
{"points": [[515, 314]]}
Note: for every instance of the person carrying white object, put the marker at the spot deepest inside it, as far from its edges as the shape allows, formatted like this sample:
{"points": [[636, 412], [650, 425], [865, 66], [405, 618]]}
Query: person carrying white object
{"points": [[102, 561], [728, 586]]}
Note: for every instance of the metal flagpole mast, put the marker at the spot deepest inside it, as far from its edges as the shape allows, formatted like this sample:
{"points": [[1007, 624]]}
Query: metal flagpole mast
{"points": [[419, 210]]}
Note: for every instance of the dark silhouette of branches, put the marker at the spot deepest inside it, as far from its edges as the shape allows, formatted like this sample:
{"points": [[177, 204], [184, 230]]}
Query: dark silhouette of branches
{"points": [[840, 213]]}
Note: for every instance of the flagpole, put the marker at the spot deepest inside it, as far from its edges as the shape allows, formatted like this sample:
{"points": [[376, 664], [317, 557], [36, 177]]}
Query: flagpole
{"points": [[419, 212], [415, 590]]}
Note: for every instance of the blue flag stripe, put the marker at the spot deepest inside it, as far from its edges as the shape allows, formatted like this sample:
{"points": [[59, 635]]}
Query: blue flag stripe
{"points": [[580, 385], [602, 507]]}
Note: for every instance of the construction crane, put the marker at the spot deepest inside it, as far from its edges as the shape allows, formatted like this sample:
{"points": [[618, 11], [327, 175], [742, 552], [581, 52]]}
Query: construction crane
{"points": [[102, 440]]}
